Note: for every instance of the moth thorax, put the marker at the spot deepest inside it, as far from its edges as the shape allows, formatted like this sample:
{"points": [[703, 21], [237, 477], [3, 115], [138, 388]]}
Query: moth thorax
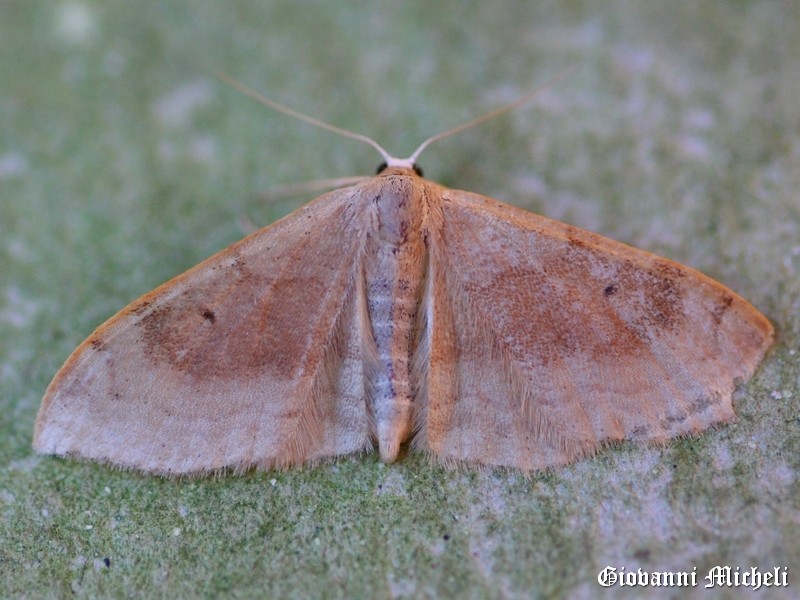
{"points": [[399, 214]]}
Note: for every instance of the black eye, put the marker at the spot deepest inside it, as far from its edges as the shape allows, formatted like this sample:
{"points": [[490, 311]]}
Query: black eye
{"points": [[418, 171]]}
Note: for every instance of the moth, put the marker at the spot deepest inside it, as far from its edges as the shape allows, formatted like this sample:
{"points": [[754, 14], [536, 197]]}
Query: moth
{"points": [[396, 310]]}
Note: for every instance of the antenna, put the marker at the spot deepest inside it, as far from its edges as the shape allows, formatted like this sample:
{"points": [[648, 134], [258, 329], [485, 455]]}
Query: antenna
{"points": [[303, 117], [489, 115], [390, 160]]}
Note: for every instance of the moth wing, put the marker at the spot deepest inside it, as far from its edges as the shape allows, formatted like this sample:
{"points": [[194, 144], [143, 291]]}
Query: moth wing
{"points": [[251, 358], [540, 342]]}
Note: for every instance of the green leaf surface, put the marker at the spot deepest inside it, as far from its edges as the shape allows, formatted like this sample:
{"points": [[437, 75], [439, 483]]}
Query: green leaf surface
{"points": [[124, 161]]}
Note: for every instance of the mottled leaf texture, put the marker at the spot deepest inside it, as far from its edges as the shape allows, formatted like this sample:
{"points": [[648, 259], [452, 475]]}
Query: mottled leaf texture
{"points": [[396, 310]]}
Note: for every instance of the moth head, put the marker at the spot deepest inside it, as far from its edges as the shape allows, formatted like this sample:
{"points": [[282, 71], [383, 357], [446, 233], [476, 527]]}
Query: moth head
{"points": [[385, 165]]}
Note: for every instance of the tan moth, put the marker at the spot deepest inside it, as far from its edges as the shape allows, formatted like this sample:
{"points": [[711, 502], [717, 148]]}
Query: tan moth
{"points": [[397, 310]]}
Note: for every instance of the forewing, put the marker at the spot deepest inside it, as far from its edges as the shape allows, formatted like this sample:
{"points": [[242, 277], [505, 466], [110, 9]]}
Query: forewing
{"points": [[252, 358], [553, 341]]}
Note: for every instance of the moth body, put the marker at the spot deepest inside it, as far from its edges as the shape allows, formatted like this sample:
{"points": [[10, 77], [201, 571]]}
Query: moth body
{"points": [[394, 273]]}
